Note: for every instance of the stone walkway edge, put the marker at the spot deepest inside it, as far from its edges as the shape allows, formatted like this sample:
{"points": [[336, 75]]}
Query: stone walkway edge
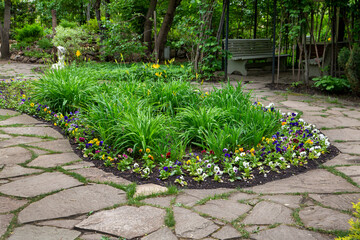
{"points": [[38, 202]]}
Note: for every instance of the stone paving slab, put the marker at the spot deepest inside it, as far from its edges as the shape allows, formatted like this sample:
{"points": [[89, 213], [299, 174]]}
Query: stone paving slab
{"points": [[79, 165], [42, 233], [148, 189], [242, 196], [191, 196], [223, 209], [324, 218], [4, 222], [341, 202], [313, 181], [37, 131], [284, 232], [5, 136], [190, 225], [301, 106], [14, 155], [348, 147], [6, 112], [352, 114], [331, 122], [345, 134], [40, 184], [53, 160], [20, 140], [227, 232], [62, 223], [126, 221], [343, 159], [62, 145], [21, 119], [74, 201], [161, 234], [160, 201], [39, 151], [98, 175], [16, 170], [269, 213], [289, 201], [96, 236], [352, 171]]}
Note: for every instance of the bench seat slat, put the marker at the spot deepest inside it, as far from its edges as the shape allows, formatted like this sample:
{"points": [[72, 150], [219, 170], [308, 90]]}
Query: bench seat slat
{"points": [[257, 57]]}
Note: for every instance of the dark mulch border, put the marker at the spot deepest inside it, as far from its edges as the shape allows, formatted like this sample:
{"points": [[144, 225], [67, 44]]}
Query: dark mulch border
{"points": [[208, 183]]}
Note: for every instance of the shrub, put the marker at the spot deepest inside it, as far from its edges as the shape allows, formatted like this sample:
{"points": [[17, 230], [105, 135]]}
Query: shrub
{"points": [[332, 84], [72, 39], [29, 33], [45, 43], [352, 69], [120, 38], [91, 26], [343, 57], [67, 24], [355, 225]]}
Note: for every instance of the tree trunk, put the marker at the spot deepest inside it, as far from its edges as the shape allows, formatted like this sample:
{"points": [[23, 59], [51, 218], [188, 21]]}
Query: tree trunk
{"points": [[221, 24], [166, 25], [148, 26], [5, 32], [54, 22], [88, 11], [97, 13]]}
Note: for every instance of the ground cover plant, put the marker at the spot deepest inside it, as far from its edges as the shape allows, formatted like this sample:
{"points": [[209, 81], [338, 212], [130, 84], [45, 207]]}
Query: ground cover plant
{"points": [[150, 121]]}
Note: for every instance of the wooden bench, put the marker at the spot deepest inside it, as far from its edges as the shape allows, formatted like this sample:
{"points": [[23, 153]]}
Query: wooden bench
{"points": [[243, 50]]}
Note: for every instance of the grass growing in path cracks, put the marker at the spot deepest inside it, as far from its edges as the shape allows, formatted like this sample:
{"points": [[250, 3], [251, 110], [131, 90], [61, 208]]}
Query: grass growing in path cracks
{"points": [[169, 218], [340, 174]]}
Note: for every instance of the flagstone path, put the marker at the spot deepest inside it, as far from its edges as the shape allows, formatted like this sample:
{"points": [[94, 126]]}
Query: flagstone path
{"points": [[47, 192]]}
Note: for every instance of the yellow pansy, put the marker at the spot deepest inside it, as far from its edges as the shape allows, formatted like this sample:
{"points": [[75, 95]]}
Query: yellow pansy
{"points": [[78, 53]]}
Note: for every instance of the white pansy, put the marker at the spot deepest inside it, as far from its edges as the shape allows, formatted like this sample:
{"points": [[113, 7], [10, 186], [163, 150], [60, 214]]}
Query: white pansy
{"points": [[303, 154], [199, 171]]}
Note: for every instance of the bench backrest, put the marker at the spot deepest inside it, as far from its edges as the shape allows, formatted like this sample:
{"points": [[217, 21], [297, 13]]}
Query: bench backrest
{"points": [[249, 47]]}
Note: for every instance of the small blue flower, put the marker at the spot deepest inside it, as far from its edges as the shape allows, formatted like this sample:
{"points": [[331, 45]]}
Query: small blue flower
{"points": [[166, 169], [225, 150]]}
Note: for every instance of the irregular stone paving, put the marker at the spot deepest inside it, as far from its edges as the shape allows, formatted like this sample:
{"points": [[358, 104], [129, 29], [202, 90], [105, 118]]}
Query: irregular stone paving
{"points": [[39, 201]]}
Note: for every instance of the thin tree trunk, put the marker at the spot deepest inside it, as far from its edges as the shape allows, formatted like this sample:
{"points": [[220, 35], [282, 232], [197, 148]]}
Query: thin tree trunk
{"points": [[97, 13], [88, 9], [221, 24], [148, 26], [5, 31], [166, 25], [54, 24]]}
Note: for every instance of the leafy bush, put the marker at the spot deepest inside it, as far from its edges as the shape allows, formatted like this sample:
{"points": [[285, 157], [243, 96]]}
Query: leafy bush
{"points": [[45, 43], [67, 24], [332, 84], [120, 41], [350, 61], [355, 225], [91, 25], [37, 54], [353, 69], [72, 39], [29, 33], [343, 57]]}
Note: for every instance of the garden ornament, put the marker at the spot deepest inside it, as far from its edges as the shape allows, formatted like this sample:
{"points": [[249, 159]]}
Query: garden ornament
{"points": [[61, 62]]}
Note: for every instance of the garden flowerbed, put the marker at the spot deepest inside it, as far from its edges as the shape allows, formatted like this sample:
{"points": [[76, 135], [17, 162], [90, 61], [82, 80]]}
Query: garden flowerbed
{"points": [[146, 123]]}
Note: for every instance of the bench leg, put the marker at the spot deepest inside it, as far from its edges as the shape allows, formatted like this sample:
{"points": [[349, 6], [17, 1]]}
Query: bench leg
{"points": [[238, 65]]}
